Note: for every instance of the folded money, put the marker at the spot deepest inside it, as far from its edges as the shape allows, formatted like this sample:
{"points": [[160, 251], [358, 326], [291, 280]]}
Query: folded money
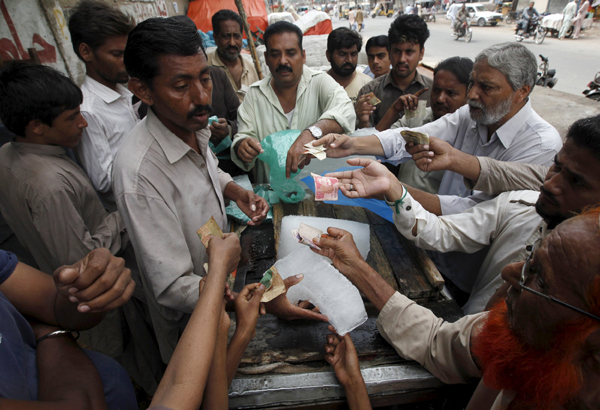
{"points": [[306, 233], [326, 188], [420, 111], [318, 151], [208, 229], [372, 99], [415, 137], [273, 284]]}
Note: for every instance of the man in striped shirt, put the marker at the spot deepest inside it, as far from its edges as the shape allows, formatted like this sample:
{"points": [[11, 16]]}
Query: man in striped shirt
{"points": [[99, 34]]}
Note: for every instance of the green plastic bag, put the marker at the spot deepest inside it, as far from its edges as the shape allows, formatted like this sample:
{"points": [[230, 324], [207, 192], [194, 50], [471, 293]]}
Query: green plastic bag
{"points": [[276, 147]]}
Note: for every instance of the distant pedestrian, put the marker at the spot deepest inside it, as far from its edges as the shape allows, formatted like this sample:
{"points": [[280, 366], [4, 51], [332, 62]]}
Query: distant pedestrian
{"points": [[568, 14], [580, 17], [359, 19], [352, 19]]}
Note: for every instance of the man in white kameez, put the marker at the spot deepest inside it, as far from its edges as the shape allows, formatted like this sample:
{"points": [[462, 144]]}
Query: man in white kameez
{"points": [[580, 17], [568, 14]]}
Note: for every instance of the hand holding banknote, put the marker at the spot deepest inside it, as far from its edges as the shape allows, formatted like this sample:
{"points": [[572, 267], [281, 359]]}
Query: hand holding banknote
{"points": [[284, 309], [435, 156], [341, 249], [336, 145], [372, 181]]}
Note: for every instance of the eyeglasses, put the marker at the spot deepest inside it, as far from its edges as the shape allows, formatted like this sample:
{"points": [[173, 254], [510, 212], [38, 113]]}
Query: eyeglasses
{"points": [[525, 273]]}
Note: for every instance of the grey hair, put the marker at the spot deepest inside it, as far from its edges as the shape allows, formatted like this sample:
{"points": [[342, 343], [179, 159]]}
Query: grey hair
{"points": [[514, 60]]}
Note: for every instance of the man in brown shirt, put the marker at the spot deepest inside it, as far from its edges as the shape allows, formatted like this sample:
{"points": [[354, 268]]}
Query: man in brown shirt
{"points": [[53, 209], [407, 36]]}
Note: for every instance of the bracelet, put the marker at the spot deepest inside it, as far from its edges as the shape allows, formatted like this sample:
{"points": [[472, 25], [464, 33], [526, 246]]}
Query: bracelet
{"points": [[397, 202], [73, 333]]}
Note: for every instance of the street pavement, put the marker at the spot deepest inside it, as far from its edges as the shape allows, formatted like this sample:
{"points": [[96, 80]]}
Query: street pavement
{"points": [[576, 61]]}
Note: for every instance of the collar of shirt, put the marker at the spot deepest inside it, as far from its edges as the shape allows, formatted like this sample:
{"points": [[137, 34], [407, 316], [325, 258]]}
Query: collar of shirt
{"points": [[216, 61], [38, 149], [173, 147], [389, 80], [106, 94], [508, 131], [267, 90]]}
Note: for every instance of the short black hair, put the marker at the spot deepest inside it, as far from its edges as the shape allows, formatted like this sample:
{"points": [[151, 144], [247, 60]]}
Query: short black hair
{"points": [[377, 41], [461, 67], [156, 37], [93, 21], [225, 15], [408, 27], [282, 27], [34, 92], [343, 37], [586, 134]]}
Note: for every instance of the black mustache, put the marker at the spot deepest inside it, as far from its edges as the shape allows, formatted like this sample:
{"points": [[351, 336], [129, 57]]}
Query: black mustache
{"points": [[233, 48], [284, 68], [199, 110]]}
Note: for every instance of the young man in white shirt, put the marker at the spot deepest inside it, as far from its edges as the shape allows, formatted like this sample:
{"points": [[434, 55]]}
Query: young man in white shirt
{"points": [[99, 35]]}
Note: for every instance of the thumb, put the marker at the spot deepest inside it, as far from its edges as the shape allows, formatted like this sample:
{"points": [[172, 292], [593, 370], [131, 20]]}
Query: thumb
{"points": [[293, 280], [255, 144], [66, 276]]}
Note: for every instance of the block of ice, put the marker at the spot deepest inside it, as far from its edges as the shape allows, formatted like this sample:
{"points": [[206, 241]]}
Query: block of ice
{"points": [[288, 244], [324, 286]]}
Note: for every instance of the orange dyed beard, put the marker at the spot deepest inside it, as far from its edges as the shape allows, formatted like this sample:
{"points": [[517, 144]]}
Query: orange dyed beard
{"points": [[542, 379]]}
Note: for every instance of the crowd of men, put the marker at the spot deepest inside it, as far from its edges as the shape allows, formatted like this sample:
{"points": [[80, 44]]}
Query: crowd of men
{"points": [[106, 185]]}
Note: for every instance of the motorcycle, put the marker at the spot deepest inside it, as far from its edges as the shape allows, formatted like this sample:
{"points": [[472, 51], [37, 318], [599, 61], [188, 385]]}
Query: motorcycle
{"points": [[545, 78], [464, 31], [593, 90], [534, 29], [511, 17]]}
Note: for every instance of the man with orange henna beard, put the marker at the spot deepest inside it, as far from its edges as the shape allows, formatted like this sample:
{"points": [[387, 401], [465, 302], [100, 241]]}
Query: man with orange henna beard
{"points": [[537, 349]]}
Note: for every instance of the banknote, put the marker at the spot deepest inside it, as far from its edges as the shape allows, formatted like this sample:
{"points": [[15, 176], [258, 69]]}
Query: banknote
{"points": [[372, 99], [317, 151], [306, 233], [326, 188], [273, 283], [420, 111], [415, 137], [208, 229]]}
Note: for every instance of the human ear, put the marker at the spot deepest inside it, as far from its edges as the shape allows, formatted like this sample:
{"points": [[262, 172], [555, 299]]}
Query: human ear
{"points": [[303, 56], [85, 52], [327, 54], [522, 93], [141, 90], [35, 127]]}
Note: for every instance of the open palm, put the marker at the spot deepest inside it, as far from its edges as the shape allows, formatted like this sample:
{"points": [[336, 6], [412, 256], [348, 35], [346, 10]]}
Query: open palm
{"points": [[372, 181]]}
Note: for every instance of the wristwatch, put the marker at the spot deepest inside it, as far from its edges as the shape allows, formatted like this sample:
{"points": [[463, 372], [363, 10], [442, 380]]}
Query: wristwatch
{"points": [[315, 131]]}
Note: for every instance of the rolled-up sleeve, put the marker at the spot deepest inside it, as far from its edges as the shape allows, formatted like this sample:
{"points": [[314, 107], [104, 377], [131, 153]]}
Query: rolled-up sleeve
{"points": [[496, 176], [442, 348], [337, 105]]}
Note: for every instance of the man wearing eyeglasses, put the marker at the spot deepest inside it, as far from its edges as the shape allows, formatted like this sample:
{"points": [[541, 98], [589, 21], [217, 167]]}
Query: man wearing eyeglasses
{"points": [[509, 225], [539, 348]]}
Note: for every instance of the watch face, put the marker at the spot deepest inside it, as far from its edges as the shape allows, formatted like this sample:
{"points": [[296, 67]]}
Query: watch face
{"points": [[315, 131]]}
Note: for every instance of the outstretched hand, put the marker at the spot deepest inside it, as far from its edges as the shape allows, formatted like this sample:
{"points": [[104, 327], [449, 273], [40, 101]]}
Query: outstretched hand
{"points": [[372, 181], [284, 309], [342, 251], [341, 354], [254, 206], [433, 157], [336, 145], [410, 101]]}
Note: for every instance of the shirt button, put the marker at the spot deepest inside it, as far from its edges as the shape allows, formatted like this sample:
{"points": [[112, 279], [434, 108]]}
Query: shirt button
{"points": [[203, 165], [408, 208]]}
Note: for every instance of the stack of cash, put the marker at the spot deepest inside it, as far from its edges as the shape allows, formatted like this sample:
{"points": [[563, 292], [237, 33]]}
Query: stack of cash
{"points": [[305, 235], [318, 151]]}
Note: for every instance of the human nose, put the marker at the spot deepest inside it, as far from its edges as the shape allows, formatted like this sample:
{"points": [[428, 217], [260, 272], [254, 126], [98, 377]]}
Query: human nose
{"points": [[440, 98], [512, 274], [82, 122], [199, 95], [472, 93], [553, 182]]}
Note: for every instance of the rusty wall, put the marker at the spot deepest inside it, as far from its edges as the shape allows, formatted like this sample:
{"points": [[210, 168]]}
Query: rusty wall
{"points": [[42, 24]]}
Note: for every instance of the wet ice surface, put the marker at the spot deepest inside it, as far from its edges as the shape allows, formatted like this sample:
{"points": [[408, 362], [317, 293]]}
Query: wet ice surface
{"points": [[324, 286], [288, 244]]}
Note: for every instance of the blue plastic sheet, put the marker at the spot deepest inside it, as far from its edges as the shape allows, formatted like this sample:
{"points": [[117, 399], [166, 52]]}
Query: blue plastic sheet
{"points": [[377, 206]]}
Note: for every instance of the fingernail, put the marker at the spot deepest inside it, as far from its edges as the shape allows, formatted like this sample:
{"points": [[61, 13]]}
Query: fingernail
{"points": [[73, 290], [262, 286], [253, 207], [73, 299], [300, 275], [84, 308], [316, 240]]}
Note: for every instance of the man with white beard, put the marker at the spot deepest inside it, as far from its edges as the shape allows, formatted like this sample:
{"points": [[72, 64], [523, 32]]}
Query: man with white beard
{"points": [[498, 122]]}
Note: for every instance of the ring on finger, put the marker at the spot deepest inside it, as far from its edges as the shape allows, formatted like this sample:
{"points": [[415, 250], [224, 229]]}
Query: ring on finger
{"points": [[351, 187]]}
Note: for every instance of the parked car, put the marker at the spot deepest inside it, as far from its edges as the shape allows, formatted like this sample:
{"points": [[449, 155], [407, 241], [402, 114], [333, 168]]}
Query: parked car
{"points": [[480, 16]]}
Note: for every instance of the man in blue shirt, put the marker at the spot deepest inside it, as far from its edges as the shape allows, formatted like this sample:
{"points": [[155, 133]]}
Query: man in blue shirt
{"points": [[39, 358]]}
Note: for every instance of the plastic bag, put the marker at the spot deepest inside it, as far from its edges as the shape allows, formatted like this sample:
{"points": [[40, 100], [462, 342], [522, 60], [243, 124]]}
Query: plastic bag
{"points": [[276, 147]]}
